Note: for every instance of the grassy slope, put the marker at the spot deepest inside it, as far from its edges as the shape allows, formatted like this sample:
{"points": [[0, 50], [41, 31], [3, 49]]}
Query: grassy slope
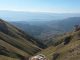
{"points": [[70, 51], [6, 58], [15, 43]]}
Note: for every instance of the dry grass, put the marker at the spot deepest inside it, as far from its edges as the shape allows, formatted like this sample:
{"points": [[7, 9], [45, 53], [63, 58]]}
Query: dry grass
{"points": [[7, 58], [70, 51]]}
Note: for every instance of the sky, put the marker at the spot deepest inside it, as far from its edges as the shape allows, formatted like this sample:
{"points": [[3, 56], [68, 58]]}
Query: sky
{"points": [[55, 6]]}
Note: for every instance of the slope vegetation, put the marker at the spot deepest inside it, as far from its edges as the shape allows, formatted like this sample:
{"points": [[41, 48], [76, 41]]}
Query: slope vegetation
{"points": [[67, 47], [15, 43]]}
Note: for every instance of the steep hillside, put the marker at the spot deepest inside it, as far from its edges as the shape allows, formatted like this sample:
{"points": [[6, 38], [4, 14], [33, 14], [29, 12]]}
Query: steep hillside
{"points": [[67, 47], [15, 43]]}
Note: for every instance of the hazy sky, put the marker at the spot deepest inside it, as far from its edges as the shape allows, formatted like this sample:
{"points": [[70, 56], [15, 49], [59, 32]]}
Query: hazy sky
{"points": [[57, 6]]}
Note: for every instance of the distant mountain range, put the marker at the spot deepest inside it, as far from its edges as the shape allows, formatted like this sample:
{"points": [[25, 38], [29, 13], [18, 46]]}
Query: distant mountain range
{"points": [[34, 16], [46, 30]]}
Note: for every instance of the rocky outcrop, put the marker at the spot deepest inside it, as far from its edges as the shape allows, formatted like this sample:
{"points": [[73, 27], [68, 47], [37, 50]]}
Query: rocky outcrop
{"points": [[38, 57], [77, 27]]}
